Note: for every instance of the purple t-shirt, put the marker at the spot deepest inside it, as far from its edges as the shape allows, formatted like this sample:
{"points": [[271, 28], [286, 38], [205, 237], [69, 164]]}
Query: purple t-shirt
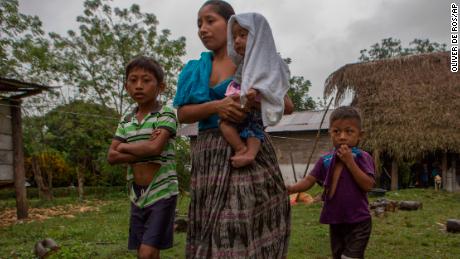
{"points": [[349, 203]]}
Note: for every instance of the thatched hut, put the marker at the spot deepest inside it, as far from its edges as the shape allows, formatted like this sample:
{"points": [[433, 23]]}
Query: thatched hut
{"points": [[410, 106]]}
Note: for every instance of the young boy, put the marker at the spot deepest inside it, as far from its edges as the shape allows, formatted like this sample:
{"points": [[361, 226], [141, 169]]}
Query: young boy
{"points": [[262, 80], [145, 140], [347, 174]]}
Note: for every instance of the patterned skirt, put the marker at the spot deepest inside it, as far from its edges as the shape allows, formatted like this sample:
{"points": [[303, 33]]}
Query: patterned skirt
{"points": [[236, 213]]}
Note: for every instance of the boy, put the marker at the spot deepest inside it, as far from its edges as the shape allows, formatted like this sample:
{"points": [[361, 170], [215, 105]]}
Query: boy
{"points": [[145, 140], [347, 174]]}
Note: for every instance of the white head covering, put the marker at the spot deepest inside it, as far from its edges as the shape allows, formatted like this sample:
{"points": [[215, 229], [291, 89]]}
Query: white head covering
{"points": [[262, 67]]}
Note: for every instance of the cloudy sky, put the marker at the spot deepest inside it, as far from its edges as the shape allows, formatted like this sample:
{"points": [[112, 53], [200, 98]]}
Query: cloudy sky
{"points": [[319, 36]]}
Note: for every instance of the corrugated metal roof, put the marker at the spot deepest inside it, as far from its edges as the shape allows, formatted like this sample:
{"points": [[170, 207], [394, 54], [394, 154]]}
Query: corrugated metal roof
{"points": [[301, 121], [297, 121]]}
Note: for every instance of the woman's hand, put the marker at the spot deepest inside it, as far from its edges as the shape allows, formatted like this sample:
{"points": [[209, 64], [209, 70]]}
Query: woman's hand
{"points": [[230, 109]]}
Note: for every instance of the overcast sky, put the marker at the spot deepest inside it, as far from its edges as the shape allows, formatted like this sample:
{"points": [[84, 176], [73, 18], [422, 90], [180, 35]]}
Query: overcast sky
{"points": [[319, 36]]}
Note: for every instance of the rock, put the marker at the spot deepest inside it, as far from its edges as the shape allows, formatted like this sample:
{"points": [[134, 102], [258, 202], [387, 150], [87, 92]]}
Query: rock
{"points": [[45, 247], [453, 225], [380, 212], [377, 192], [410, 205]]}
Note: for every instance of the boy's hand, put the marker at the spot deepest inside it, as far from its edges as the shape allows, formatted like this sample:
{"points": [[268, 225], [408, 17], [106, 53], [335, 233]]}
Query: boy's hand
{"points": [[155, 134], [289, 189], [344, 153]]}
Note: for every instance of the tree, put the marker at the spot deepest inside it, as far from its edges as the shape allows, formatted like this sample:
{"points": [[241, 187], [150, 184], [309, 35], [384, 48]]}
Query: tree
{"points": [[390, 47], [93, 59], [25, 52], [80, 132], [298, 92]]}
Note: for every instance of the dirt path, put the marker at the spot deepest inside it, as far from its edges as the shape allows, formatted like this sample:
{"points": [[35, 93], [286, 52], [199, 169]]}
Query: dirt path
{"points": [[8, 216]]}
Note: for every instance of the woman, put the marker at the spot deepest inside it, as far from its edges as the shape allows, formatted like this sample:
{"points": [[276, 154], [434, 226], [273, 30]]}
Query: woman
{"points": [[234, 212]]}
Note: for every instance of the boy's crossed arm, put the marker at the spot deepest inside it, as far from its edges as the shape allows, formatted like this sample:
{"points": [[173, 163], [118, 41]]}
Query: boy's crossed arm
{"points": [[120, 152]]}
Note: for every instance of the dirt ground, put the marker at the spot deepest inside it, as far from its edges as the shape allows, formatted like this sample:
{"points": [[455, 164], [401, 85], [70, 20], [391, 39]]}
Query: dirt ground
{"points": [[8, 216]]}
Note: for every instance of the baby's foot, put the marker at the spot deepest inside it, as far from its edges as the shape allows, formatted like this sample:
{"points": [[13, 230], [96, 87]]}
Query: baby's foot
{"points": [[240, 151], [242, 160]]}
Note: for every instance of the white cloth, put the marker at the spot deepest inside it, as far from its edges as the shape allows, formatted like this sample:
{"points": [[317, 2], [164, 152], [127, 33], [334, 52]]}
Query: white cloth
{"points": [[262, 67]]}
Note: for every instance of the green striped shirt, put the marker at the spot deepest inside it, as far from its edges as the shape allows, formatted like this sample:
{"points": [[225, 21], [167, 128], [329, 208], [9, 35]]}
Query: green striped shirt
{"points": [[164, 183]]}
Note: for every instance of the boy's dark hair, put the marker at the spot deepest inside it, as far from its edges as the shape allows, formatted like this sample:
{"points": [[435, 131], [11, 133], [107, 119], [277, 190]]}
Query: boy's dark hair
{"points": [[148, 64], [345, 112], [222, 8]]}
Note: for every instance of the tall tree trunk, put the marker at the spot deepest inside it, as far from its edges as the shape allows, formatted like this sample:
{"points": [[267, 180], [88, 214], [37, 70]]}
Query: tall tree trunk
{"points": [[394, 175], [80, 177], [43, 192], [49, 173]]}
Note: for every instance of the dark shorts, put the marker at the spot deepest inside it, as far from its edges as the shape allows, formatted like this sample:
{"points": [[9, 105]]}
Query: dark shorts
{"points": [[153, 225], [350, 239]]}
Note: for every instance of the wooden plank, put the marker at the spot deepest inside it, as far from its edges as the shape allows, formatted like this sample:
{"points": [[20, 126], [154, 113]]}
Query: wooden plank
{"points": [[6, 173], [18, 162], [5, 125], [6, 142], [394, 175], [444, 171], [6, 157], [378, 172]]}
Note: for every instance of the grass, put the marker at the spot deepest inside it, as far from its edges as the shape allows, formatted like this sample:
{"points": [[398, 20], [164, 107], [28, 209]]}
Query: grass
{"points": [[104, 233]]}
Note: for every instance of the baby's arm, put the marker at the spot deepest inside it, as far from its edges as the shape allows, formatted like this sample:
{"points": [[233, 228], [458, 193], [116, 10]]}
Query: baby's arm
{"points": [[303, 185], [364, 181], [116, 157], [145, 148]]}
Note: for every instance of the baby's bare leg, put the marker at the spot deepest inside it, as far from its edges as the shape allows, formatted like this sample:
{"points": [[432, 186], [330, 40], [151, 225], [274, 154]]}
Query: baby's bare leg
{"points": [[253, 147], [232, 136]]}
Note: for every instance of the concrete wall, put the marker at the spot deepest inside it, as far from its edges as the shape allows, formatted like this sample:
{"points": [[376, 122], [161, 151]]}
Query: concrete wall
{"points": [[300, 144], [6, 144]]}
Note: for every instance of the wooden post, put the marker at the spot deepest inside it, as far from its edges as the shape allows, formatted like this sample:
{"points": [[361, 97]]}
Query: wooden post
{"points": [[454, 173], [18, 161], [293, 167], [394, 175], [378, 172], [444, 171]]}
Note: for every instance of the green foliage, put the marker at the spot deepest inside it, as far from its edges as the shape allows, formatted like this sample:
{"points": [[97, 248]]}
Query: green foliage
{"points": [[183, 163], [390, 47], [25, 52], [80, 132], [298, 92], [93, 59]]}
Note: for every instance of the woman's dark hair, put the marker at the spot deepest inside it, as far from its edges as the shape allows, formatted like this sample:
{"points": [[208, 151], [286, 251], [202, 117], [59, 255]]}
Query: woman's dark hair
{"points": [[222, 8], [148, 64], [345, 112]]}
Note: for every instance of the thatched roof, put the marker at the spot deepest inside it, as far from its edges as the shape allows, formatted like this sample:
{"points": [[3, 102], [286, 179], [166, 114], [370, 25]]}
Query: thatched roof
{"points": [[410, 105]]}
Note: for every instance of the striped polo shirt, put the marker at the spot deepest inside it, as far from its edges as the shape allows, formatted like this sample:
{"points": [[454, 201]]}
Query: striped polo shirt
{"points": [[130, 130]]}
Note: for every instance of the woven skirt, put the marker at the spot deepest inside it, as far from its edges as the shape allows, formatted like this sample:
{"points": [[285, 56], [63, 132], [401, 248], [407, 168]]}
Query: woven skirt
{"points": [[236, 212]]}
